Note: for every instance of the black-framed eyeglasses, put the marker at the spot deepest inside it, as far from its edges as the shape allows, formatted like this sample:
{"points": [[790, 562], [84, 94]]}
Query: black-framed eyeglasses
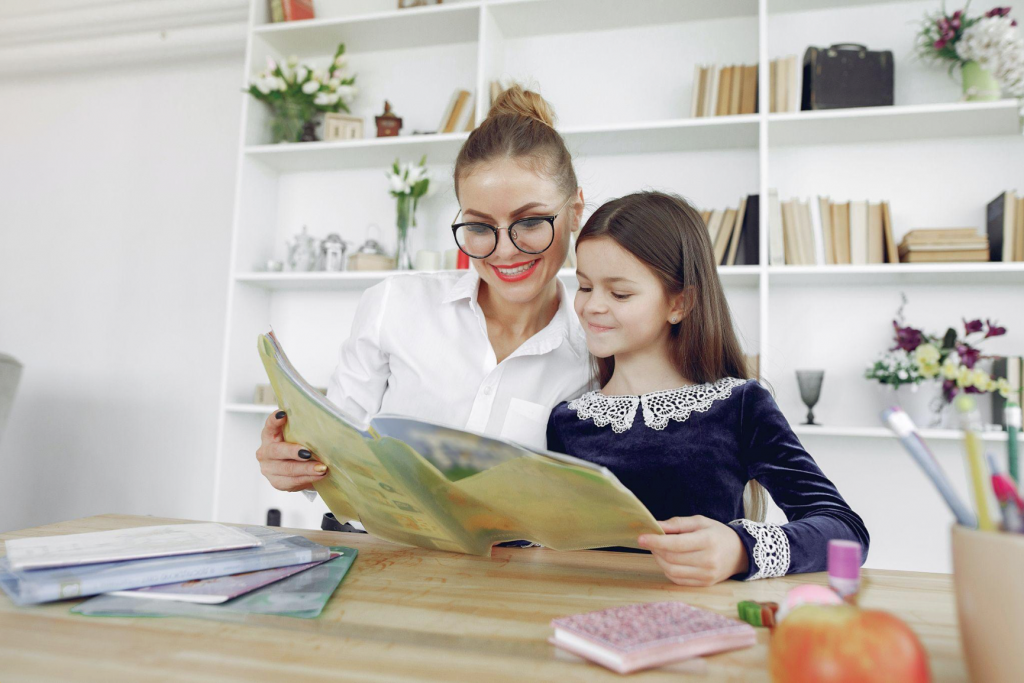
{"points": [[531, 235]]}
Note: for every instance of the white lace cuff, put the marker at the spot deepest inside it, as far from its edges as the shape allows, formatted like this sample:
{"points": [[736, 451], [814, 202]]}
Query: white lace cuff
{"points": [[771, 548]]}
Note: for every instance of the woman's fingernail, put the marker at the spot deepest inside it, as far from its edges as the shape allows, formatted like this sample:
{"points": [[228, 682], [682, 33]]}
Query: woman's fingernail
{"points": [[280, 414], [304, 454], [320, 469]]}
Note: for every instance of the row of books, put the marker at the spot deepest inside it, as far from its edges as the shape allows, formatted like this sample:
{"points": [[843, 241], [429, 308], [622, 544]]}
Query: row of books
{"points": [[1004, 218], [723, 91], [785, 79], [734, 232], [460, 114], [196, 563], [291, 10], [822, 232]]}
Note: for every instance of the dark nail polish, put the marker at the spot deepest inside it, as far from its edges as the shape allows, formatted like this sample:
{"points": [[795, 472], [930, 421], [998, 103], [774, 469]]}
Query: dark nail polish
{"points": [[304, 454], [280, 414]]}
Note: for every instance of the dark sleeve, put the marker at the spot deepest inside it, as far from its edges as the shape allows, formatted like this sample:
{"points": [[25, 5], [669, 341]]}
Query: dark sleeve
{"points": [[816, 512], [554, 437]]}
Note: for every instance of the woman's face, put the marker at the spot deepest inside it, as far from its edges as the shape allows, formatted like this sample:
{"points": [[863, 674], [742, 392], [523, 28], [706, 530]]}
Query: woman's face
{"points": [[503, 191]]}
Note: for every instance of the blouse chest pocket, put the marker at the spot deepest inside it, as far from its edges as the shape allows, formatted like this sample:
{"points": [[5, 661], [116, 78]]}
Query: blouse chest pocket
{"points": [[526, 423]]}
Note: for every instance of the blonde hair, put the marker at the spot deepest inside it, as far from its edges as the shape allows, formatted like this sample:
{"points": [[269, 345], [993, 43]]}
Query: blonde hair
{"points": [[521, 126]]}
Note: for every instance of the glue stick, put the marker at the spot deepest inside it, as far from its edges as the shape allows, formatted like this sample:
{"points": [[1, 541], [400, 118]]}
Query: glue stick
{"points": [[844, 569]]}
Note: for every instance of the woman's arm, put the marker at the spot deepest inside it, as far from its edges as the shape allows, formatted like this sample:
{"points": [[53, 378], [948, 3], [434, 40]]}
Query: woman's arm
{"points": [[817, 513]]}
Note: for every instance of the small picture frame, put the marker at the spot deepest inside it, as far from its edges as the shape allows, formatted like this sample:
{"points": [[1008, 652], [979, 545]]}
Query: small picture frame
{"points": [[404, 4], [342, 127]]}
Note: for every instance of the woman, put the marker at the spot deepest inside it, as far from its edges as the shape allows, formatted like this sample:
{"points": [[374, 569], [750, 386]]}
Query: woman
{"points": [[490, 350]]}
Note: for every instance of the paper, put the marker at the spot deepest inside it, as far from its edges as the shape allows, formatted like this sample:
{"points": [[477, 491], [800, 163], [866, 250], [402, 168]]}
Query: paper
{"points": [[421, 484], [125, 544]]}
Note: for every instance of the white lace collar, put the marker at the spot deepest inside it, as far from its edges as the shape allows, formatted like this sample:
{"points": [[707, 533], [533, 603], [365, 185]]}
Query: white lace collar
{"points": [[659, 406]]}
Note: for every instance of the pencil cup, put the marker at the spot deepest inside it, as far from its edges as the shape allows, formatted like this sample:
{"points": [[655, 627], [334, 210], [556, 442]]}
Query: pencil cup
{"points": [[989, 602]]}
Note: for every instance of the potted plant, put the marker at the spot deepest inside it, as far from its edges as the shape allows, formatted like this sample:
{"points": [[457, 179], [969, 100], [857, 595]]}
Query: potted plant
{"points": [[988, 49], [296, 93]]}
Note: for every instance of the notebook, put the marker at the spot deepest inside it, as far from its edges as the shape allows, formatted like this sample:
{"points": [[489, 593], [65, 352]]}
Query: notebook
{"points": [[125, 544], [218, 589], [643, 636]]}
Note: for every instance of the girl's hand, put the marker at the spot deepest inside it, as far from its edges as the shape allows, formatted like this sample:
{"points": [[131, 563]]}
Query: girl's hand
{"points": [[697, 551], [287, 466]]}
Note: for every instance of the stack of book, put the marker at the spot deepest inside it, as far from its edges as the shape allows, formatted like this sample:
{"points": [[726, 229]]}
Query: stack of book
{"points": [[822, 232], [734, 232], [1005, 220], [723, 91], [459, 115], [785, 83], [51, 568], [936, 245]]}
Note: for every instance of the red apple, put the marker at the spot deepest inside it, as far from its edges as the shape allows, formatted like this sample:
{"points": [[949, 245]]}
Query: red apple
{"points": [[843, 644]]}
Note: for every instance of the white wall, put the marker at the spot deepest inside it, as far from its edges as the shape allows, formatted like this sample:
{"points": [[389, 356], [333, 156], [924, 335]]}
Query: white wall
{"points": [[116, 193]]}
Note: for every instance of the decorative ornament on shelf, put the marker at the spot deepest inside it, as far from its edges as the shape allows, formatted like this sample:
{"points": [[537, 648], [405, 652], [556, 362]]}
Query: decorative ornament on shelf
{"points": [[989, 50], [296, 93], [952, 359], [408, 183], [388, 124], [810, 391]]}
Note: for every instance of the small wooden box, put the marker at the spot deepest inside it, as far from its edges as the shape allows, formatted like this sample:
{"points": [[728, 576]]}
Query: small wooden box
{"points": [[342, 127]]}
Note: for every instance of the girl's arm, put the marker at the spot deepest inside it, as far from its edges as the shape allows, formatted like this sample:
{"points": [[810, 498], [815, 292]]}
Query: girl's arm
{"points": [[358, 383], [816, 511]]}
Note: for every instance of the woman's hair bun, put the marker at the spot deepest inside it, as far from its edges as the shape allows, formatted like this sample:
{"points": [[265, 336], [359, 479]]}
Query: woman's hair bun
{"points": [[516, 100]]}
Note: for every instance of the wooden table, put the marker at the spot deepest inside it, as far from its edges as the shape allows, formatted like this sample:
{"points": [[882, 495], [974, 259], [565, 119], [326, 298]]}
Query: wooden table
{"points": [[408, 614]]}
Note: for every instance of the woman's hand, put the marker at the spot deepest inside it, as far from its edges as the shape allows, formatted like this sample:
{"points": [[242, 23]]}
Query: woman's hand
{"points": [[697, 551], [287, 466]]}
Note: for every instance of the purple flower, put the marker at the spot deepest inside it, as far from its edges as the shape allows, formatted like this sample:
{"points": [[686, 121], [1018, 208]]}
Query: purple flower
{"points": [[998, 12], [957, 14], [955, 24], [993, 330], [949, 390], [972, 390], [939, 44], [968, 354], [973, 326], [907, 338]]}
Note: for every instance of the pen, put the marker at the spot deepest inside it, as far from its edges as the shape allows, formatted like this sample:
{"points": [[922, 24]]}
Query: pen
{"points": [[901, 424], [975, 462], [1013, 424]]}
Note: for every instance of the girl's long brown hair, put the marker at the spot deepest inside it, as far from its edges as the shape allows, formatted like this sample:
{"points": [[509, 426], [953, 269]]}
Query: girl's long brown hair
{"points": [[668, 235]]}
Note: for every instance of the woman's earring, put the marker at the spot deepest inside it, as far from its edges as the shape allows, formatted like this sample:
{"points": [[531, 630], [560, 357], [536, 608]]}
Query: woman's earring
{"points": [[674, 319]]}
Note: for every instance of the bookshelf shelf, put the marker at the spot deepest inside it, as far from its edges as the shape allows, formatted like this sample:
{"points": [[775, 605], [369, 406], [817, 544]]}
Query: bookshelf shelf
{"points": [[788, 6], [394, 29], [899, 274], [825, 431], [898, 123], [346, 154], [738, 276]]}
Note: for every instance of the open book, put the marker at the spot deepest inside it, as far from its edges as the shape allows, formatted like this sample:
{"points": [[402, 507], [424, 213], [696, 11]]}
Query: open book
{"points": [[422, 484]]}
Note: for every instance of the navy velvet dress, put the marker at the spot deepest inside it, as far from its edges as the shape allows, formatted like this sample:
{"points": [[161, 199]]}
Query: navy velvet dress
{"points": [[691, 451]]}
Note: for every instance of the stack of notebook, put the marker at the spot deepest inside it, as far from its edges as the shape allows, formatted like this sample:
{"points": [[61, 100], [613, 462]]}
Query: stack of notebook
{"points": [[170, 562], [943, 244]]}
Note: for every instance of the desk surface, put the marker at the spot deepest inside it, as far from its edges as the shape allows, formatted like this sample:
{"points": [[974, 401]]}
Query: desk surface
{"points": [[410, 614]]}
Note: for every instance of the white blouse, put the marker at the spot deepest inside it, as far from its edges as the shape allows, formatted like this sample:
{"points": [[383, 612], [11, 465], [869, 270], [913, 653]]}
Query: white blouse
{"points": [[419, 348]]}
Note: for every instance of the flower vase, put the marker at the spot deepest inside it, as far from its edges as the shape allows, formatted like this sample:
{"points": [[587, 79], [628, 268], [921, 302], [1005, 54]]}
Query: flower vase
{"points": [[979, 84], [405, 218], [914, 399], [288, 121]]}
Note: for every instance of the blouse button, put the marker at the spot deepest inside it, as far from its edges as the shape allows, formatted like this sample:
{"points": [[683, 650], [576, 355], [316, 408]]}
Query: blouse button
{"points": [[487, 391]]}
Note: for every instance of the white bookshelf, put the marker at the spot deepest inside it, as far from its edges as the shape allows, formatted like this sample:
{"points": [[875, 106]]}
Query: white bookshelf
{"points": [[618, 73]]}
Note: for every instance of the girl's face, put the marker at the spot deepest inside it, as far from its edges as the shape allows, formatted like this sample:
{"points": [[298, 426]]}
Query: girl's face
{"points": [[503, 191], [621, 302]]}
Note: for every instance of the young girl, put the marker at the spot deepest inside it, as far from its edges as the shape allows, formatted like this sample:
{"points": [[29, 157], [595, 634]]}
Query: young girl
{"points": [[675, 419]]}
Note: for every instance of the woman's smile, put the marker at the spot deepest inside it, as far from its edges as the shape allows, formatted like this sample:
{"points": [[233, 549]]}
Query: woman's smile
{"points": [[516, 271]]}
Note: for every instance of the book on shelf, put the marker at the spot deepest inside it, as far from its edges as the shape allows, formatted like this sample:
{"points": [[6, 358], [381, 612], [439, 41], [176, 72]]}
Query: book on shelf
{"points": [[721, 244], [943, 245], [841, 231], [723, 90], [734, 232], [1004, 218], [734, 240], [1010, 368], [858, 233], [891, 253], [748, 251], [785, 83], [776, 240], [459, 115], [291, 10], [427, 485]]}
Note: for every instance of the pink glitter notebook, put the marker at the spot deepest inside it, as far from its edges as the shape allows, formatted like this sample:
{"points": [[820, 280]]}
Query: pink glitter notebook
{"points": [[634, 637]]}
